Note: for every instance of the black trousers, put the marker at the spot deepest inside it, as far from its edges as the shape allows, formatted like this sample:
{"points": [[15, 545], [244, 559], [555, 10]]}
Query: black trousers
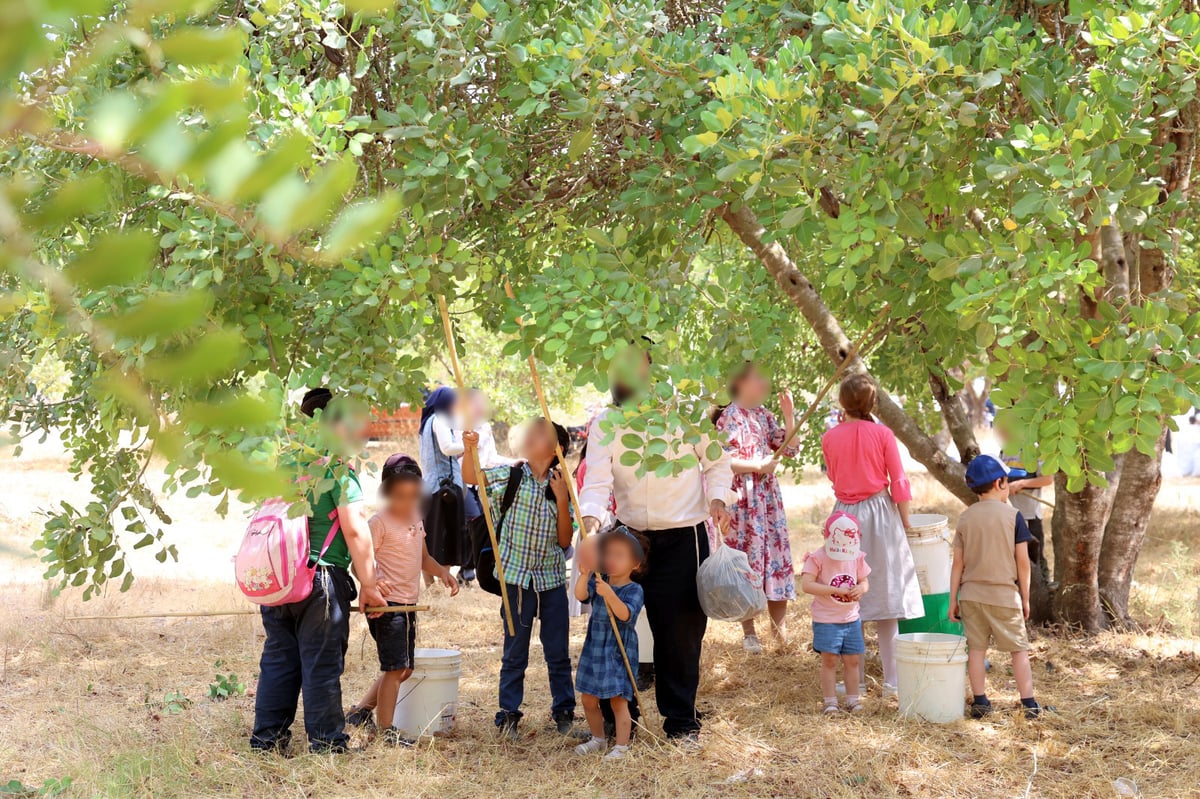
{"points": [[305, 653], [677, 621]]}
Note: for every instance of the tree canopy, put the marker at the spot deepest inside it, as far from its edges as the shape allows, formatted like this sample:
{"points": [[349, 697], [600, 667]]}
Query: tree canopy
{"points": [[206, 205]]}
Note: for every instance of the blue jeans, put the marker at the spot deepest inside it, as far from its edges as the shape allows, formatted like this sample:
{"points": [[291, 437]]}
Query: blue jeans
{"points": [[305, 652], [551, 607]]}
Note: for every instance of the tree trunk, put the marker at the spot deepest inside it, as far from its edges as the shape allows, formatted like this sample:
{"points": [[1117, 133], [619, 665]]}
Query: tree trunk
{"points": [[800, 290], [1079, 521], [1141, 478], [958, 421]]}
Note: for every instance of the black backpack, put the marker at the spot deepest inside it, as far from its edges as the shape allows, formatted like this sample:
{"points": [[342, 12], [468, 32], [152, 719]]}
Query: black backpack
{"points": [[481, 542]]}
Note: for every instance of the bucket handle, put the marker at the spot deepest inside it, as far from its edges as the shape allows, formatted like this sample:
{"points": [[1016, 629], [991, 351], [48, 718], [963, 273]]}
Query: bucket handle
{"points": [[416, 680], [961, 642]]}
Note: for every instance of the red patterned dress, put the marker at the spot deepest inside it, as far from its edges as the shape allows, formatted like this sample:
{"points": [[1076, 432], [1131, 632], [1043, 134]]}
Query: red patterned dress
{"points": [[759, 525]]}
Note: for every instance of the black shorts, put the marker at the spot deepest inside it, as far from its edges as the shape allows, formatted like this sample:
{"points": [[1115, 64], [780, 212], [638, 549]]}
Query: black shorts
{"points": [[395, 637]]}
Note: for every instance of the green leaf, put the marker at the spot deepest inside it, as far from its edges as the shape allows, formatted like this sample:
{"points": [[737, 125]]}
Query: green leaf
{"points": [[192, 46], [114, 259], [580, 143], [359, 225]]}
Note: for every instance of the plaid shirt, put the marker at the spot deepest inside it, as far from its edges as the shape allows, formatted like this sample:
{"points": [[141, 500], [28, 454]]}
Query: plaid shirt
{"points": [[529, 550]]}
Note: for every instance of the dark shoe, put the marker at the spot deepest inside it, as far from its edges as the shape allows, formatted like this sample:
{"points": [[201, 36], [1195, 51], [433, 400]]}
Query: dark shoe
{"points": [[686, 742], [393, 737], [564, 722], [1037, 711], [361, 717], [281, 746], [326, 748], [979, 711], [645, 677], [507, 725], [467, 575]]}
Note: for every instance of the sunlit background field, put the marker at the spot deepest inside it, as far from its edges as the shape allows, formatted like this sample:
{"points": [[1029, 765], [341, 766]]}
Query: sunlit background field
{"points": [[123, 708]]}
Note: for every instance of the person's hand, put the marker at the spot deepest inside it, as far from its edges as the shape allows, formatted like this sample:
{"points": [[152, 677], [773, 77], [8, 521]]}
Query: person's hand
{"points": [[1016, 486], [719, 514], [856, 593], [558, 484], [470, 439], [1025, 608], [370, 597], [952, 613], [590, 524], [384, 587], [604, 589], [449, 580], [787, 407], [767, 466]]}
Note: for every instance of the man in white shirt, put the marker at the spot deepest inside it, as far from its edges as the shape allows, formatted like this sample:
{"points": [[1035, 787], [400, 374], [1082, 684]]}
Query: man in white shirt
{"points": [[671, 512]]}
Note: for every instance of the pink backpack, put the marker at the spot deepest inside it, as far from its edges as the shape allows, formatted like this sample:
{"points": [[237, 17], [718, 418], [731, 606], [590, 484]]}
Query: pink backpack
{"points": [[271, 565]]}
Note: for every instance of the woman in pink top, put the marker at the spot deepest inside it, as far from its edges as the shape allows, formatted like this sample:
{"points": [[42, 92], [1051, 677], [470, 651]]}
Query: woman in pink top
{"points": [[869, 482]]}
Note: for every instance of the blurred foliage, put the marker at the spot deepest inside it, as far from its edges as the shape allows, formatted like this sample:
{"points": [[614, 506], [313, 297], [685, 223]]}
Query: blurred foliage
{"points": [[206, 206]]}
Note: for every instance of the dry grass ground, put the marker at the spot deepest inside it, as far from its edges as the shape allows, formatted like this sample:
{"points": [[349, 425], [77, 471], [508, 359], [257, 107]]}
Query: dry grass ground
{"points": [[92, 701]]}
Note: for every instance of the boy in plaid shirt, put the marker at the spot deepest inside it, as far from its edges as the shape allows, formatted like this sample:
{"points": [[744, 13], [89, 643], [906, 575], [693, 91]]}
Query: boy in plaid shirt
{"points": [[533, 534]]}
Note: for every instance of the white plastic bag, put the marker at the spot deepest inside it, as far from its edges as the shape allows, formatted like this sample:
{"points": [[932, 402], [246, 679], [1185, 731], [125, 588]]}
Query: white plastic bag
{"points": [[729, 589]]}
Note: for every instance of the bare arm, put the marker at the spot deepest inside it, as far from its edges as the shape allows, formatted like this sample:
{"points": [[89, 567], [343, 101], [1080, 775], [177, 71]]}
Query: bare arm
{"points": [[470, 450], [744, 466], [597, 479], [810, 586], [1040, 481], [581, 584], [903, 508], [618, 608], [956, 573], [1023, 570], [352, 519]]}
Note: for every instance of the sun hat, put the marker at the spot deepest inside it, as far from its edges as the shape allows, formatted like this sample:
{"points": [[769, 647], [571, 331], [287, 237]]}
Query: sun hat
{"points": [[842, 538]]}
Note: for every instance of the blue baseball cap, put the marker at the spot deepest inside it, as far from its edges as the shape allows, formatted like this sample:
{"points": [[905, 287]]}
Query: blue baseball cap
{"points": [[984, 470]]}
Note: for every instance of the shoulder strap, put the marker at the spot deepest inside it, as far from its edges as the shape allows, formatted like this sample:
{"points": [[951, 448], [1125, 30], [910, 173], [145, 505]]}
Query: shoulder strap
{"points": [[334, 527], [516, 473]]}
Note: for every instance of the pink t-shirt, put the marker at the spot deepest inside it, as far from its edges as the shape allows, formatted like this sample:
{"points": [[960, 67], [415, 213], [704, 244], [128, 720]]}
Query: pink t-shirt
{"points": [[399, 551], [841, 574], [862, 459]]}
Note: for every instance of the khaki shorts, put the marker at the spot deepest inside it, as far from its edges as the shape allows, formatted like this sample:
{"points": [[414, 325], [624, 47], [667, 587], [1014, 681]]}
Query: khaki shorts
{"points": [[983, 622]]}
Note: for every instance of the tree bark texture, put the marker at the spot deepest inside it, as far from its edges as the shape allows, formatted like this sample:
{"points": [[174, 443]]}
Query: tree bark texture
{"points": [[833, 340], [1079, 522]]}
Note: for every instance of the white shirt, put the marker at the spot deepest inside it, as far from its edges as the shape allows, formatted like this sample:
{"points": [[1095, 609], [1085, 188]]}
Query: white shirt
{"points": [[447, 438], [649, 502], [489, 456]]}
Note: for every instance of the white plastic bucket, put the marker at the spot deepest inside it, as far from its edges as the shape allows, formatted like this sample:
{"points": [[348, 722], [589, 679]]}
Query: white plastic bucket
{"points": [[932, 676], [428, 701], [921, 525], [931, 556]]}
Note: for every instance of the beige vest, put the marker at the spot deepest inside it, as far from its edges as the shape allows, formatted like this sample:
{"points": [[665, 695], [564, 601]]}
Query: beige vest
{"points": [[987, 534]]}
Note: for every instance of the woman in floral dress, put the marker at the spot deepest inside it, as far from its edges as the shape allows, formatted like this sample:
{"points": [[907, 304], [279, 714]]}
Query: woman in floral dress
{"points": [[759, 526]]}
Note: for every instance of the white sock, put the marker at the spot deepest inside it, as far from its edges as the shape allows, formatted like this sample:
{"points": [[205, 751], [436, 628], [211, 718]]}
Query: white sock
{"points": [[887, 630], [831, 701]]}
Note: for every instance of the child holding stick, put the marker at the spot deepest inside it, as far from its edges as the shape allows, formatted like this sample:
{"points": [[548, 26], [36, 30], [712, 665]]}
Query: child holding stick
{"points": [[602, 672], [398, 535], [836, 577]]}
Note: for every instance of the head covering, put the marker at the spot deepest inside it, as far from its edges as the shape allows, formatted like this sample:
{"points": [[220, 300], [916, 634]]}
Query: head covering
{"points": [[315, 399], [984, 470], [440, 400], [842, 538], [399, 465]]}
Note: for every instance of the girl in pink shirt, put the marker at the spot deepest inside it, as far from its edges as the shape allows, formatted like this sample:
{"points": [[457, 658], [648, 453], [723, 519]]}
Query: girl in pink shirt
{"points": [[869, 482]]}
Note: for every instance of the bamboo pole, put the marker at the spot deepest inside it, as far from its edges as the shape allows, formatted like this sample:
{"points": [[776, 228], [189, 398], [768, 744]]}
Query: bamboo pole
{"points": [[191, 614], [484, 502], [833, 379], [570, 478]]}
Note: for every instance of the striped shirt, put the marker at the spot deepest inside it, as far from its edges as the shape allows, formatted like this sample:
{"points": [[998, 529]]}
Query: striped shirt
{"points": [[529, 550]]}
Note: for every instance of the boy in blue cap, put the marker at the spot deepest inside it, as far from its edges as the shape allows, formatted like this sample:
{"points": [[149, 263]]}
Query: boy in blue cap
{"points": [[989, 584]]}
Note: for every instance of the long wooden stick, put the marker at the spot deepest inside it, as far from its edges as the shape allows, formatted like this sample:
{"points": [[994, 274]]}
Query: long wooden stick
{"points": [[191, 614], [829, 384], [484, 502], [570, 478]]}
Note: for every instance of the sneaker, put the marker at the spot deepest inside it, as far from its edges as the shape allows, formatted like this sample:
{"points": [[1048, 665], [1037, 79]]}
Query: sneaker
{"points": [[979, 711], [832, 710], [617, 752], [593, 746], [361, 717], [393, 737], [564, 722], [890, 691], [507, 725], [1037, 711], [752, 645], [854, 708]]}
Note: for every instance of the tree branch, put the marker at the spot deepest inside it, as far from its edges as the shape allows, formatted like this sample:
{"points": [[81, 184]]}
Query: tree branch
{"points": [[958, 421], [800, 290]]}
